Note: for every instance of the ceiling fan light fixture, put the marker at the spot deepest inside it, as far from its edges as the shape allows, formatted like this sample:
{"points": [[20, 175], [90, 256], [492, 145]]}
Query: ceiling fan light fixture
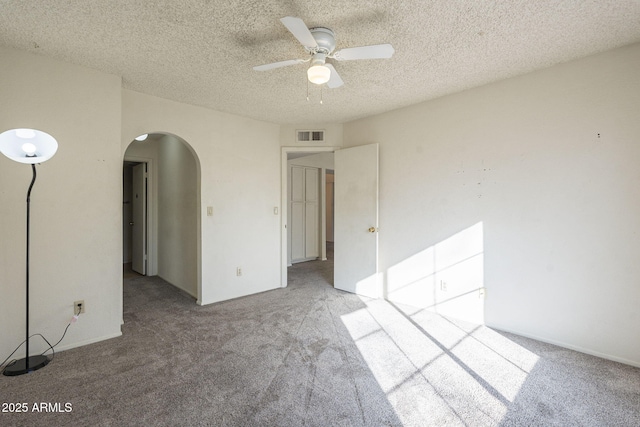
{"points": [[319, 74]]}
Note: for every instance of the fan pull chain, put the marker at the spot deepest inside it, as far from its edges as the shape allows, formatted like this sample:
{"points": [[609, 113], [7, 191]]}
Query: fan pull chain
{"points": [[307, 90], [321, 94]]}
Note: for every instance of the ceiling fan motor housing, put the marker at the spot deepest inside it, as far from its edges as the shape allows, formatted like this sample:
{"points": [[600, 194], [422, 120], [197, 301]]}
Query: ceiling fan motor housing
{"points": [[325, 39]]}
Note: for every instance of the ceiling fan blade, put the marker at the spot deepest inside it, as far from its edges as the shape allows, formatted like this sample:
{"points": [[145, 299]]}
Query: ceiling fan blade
{"points": [[335, 80], [378, 51], [300, 31], [266, 67]]}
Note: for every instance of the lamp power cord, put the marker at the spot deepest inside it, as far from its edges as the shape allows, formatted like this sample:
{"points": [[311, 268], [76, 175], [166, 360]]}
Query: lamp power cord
{"points": [[4, 364]]}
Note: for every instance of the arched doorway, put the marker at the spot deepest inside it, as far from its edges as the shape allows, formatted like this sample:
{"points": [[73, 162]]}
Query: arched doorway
{"points": [[170, 196]]}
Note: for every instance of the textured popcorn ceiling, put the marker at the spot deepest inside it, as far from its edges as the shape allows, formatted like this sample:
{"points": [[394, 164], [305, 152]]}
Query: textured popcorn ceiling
{"points": [[202, 51]]}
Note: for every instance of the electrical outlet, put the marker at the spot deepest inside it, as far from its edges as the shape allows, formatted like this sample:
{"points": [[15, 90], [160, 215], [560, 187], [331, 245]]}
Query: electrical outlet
{"points": [[443, 285], [239, 271], [78, 305]]}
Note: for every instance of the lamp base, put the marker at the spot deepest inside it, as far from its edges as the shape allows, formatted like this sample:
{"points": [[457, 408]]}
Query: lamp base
{"points": [[20, 366]]}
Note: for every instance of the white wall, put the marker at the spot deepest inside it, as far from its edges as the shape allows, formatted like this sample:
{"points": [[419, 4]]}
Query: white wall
{"points": [[178, 215], [239, 165], [547, 164], [329, 210], [319, 160], [76, 245]]}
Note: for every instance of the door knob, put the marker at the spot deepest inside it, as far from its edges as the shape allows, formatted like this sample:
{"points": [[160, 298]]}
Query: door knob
{"points": [[131, 223], [372, 230]]}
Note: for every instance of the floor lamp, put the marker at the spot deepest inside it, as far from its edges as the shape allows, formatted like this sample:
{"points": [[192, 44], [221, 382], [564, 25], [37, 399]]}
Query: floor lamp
{"points": [[27, 146]]}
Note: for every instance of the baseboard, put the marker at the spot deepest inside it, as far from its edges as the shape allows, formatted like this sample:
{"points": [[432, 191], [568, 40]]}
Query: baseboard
{"points": [[87, 342], [570, 347]]}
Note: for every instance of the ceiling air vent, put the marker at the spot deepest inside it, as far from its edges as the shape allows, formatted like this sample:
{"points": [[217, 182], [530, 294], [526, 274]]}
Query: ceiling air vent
{"points": [[310, 136]]}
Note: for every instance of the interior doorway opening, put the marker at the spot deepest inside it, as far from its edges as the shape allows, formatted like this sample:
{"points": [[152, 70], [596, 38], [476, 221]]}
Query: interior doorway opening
{"points": [[135, 209], [307, 208], [161, 177], [355, 266]]}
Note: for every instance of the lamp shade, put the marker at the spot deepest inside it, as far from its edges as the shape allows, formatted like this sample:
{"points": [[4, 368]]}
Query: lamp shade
{"points": [[318, 74], [28, 145]]}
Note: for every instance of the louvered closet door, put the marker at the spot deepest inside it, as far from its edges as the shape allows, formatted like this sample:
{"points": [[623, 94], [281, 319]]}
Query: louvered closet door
{"points": [[297, 216], [304, 222], [311, 212]]}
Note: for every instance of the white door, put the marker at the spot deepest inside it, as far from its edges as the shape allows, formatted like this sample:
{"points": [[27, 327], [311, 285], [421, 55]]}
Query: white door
{"points": [[296, 215], [311, 212], [139, 223], [304, 210], [356, 221]]}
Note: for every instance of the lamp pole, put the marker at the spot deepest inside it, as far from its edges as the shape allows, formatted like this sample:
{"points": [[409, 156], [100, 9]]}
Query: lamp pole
{"points": [[33, 180]]}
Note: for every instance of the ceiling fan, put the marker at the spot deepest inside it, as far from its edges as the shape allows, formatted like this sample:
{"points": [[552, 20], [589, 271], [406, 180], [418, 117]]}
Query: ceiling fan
{"points": [[320, 43]]}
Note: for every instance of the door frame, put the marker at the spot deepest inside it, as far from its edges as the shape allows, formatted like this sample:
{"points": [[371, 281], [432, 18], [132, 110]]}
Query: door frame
{"points": [[284, 204], [151, 235]]}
